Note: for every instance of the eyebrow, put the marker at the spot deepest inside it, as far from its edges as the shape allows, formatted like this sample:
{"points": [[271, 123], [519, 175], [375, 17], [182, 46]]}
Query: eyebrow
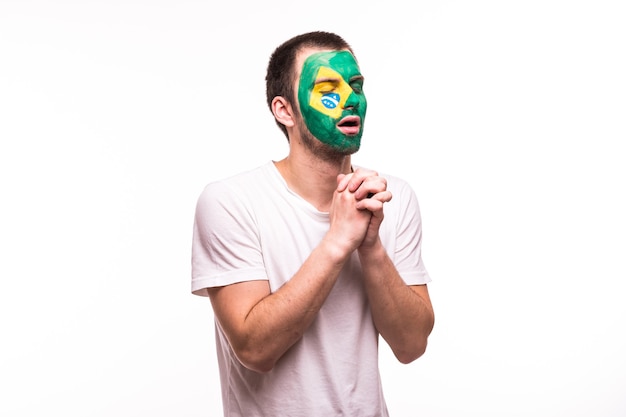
{"points": [[336, 80], [327, 80]]}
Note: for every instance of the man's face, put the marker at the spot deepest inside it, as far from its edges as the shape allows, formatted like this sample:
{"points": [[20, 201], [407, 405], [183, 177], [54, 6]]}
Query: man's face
{"points": [[331, 99]]}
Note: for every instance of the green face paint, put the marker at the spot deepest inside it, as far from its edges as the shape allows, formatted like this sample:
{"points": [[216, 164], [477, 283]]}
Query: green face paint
{"points": [[331, 99]]}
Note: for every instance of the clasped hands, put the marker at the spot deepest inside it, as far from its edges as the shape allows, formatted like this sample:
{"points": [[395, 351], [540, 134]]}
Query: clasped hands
{"points": [[357, 209]]}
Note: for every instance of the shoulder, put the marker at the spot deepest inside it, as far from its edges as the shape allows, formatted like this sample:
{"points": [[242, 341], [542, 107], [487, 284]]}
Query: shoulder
{"points": [[404, 202], [242, 183], [404, 199], [234, 194], [397, 185], [247, 178]]}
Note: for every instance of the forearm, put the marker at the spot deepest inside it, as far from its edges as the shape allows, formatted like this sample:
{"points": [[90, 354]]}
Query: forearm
{"points": [[278, 320], [403, 317]]}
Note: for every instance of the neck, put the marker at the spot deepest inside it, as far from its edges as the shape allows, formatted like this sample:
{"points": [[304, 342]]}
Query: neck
{"points": [[313, 179]]}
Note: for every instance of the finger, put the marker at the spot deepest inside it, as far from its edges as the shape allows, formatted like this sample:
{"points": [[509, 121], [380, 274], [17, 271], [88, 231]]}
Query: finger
{"points": [[370, 187], [383, 196], [371, 204], [342, 181], [359, 176]]}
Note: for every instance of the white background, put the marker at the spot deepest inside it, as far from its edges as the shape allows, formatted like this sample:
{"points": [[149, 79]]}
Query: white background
{"points": [[507, 117]]}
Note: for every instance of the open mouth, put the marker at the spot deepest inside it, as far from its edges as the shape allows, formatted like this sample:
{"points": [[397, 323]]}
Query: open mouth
{"points": [[349, 125]]}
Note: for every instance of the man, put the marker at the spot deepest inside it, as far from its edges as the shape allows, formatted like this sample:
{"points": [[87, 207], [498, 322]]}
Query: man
{"points": [[302, 272]]}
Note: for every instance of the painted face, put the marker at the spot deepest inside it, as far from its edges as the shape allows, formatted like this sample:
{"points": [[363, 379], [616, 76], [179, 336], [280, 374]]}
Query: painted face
{"points": [[332, 103]]}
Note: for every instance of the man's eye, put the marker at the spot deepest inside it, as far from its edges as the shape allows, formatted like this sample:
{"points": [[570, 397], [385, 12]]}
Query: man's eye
{"points": [[357, 87], [326, 87]]}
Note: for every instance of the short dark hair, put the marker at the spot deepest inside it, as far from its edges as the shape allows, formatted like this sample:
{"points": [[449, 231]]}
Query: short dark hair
{"points": [[279, 79]]}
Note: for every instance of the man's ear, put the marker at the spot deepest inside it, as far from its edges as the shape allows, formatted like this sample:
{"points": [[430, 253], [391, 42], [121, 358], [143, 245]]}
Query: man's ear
{"points": [[283, 112]]}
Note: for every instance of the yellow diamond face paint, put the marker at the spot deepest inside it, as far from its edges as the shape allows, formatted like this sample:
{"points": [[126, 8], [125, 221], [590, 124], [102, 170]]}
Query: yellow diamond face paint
{"points": [[329, 97], [332, 103]]}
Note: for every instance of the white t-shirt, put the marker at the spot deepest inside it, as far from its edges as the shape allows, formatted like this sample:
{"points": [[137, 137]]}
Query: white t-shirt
{"points": [[251, 226]]}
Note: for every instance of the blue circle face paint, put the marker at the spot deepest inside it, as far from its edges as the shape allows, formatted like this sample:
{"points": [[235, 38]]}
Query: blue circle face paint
{"points": [[330, 100]]}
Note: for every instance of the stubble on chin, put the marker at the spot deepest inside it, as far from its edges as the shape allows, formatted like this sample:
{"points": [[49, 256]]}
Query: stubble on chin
{"points": [[320, 149]]}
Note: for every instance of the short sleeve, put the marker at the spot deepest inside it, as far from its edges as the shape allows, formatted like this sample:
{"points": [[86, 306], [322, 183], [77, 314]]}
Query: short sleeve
{"points": [[225, 244], [408, 241]]}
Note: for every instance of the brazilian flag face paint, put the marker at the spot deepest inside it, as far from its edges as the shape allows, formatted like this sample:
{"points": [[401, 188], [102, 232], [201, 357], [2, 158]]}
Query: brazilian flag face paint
{"points": [[331, 99]]}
